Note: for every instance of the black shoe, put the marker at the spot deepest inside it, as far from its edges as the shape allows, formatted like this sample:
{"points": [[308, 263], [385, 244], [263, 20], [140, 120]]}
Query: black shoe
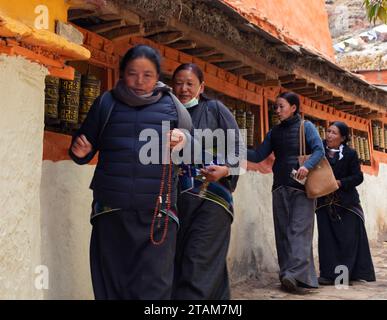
{"points": [[289, 284], [325, 282]]}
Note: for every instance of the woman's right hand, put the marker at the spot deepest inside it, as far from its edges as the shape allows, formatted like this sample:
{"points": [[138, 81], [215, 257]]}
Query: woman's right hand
{"points": [[81, 146]]}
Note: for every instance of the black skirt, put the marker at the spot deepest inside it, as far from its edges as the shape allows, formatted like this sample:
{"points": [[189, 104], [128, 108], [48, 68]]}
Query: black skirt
{"points": [[342, 240], [203, 240], [124, 262]]}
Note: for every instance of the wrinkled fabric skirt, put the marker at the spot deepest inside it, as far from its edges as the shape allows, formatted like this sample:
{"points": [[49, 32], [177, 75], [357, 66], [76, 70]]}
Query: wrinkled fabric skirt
{"points": [[124, 262], [293, 215], [343, 241], [202, 245]]}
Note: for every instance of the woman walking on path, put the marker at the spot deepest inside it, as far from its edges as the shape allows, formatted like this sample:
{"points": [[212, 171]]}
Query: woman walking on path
{"points": [[342, 237], [293, 212], [205, 207], [127, 194]]}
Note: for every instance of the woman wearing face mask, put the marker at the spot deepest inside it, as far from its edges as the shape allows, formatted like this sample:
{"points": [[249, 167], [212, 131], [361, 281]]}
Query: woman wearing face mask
{"points": [[206, 207], [293, 212], [342, 237], [125, 264]]}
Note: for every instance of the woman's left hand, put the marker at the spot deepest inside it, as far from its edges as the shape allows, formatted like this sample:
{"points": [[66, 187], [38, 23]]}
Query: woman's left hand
{"points": [[177, 139], [302, 173], [214, 173]]}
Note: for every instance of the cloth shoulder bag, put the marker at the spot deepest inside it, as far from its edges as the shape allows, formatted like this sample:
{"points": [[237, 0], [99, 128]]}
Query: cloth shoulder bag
{"points": [[320, 180]]}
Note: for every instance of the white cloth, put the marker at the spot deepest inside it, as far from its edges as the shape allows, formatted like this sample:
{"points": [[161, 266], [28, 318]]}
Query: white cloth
{"points": [[340, 150]]}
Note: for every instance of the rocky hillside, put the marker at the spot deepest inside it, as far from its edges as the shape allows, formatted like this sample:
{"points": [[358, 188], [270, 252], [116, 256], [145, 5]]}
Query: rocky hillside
{"points": [[359, 45]]}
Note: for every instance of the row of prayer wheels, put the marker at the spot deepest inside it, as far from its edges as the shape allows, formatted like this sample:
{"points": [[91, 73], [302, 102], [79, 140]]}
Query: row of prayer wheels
{"points": [[359, 142], [245, 121], [379, 136], [68, 101]]}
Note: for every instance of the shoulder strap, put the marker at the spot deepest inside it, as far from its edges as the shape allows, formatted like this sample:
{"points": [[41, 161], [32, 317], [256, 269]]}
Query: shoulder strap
{"points": [[302, 138], [105, 110], [184, 120]]}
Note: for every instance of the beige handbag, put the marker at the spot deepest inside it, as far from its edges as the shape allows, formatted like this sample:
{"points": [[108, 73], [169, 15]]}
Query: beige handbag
{"points": [[320, 180]]}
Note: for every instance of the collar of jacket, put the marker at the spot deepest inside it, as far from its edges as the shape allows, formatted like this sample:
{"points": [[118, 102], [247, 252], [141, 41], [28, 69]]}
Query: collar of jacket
{"points": [[290, 121]]}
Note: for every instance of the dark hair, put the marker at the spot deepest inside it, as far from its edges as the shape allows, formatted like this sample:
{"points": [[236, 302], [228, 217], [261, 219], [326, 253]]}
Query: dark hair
{"points": [[191, 67], [343, 129], [292, 98], [141, 51]]}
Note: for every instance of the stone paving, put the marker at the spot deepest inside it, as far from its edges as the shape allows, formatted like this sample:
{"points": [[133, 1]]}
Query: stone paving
{"points": [[269, 288]]}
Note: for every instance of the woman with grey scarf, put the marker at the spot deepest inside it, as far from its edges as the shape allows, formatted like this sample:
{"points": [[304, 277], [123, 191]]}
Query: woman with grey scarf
{"points": [[133, 211]]}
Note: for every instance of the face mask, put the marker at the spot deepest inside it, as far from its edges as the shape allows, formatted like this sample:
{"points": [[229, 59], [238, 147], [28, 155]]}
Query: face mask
{"points": [[193, 101]]}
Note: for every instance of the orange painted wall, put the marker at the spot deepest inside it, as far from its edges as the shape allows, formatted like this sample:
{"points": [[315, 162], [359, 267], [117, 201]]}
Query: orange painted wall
{"points": [[375, 76], [303, 22]]}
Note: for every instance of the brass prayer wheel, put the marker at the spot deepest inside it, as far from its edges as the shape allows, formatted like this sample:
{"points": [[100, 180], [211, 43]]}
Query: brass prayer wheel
{"points": [[69, 99], [385, 139], [362, 149], [381, 139], [51, 97], [375, 135], [90, 90], [350, 142], [241, 121], [359, 147], [367, 155], [250, 128]]}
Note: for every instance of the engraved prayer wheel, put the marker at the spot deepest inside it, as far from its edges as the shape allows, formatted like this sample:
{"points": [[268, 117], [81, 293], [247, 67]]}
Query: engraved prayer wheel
{"points": [[241, 121], [51, 98], [375, 135], [361, 148], [385, 139], [367, 154], [350, 142], [69, 99], [90, 90], [381, 139], [250, 128], [357, 145]]}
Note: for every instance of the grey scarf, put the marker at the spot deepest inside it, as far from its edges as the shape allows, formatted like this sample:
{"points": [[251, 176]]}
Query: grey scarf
{"points": [[124, 94]]}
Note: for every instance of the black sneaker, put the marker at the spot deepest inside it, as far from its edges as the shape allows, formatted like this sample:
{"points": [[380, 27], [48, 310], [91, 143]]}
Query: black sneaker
{"points": [[289, 284]]}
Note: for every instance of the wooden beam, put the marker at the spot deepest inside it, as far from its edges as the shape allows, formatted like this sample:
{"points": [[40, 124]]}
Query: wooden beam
{"points": [[167, 37], [214, 58], [287, 79], [248, 59], [243, 71], [183, 44], [124, 32], [104, 27], [297, 84], [230, 65], [154, 27], [352, 96], [324, 97], [201, 52], [255, 77], [271, 83], [75, 14], [306, 91]]}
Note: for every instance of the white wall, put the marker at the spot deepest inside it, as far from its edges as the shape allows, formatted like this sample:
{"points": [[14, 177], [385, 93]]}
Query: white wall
{"points": [[65, 201], [21, 146]]}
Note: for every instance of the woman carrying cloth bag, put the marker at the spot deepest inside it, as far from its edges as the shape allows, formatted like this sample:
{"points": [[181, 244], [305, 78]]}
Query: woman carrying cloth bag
{"points": [[293, 211]]}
